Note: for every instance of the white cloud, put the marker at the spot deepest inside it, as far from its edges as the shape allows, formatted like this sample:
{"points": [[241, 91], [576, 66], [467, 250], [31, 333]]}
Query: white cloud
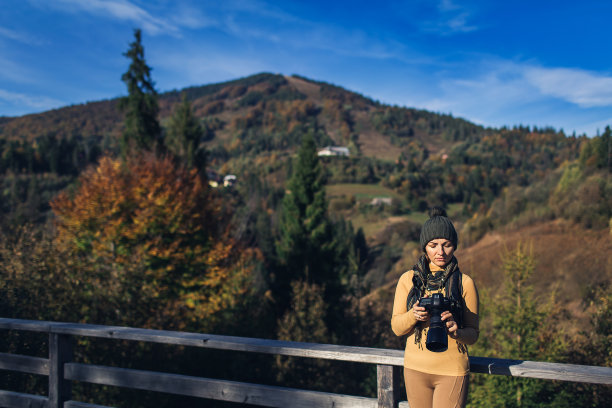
{"points": [[120, 10], [16, 72], [243, 20], [450, 19], [259, 21], [500, 85], [193, 18], [260, 9], [340, 41], [35, 102], [496, 92], [18, 36], [459, 23], [447, 5], [488, 89], [583, 88]]}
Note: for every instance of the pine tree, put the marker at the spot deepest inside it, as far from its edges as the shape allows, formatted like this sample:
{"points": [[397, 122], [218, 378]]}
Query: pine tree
{"points": [[518, 329], [304, 322], [142, 129], [185, 134], [604, 159], [351, 254], [306, 248], [594, 347]]}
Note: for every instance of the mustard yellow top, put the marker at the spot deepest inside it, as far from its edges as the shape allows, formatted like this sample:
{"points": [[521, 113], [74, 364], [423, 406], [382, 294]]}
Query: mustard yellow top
{"points": [[453, 361]]}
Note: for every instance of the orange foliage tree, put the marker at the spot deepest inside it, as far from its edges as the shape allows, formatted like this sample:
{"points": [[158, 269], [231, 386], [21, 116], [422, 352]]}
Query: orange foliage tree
{"points": [[151, 245]]}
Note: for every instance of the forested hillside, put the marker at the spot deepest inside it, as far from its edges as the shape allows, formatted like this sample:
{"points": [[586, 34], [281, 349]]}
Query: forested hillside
{"points": [[256, 123], [488, 178], [109, 216]]}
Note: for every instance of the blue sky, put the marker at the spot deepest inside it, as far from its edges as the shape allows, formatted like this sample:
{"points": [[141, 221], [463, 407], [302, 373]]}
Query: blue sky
{"points": [[496, 63]]}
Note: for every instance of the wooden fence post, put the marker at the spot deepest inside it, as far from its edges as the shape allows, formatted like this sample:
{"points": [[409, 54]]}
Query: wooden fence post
{"points": [[60, 352], [388, 378]]}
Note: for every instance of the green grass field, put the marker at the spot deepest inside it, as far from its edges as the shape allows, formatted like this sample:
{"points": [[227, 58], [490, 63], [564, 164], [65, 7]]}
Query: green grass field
{"points": [[362, 192], [373, 223]]}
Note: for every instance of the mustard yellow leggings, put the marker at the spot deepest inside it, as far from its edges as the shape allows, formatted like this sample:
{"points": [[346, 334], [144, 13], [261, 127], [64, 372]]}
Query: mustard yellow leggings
{"points": [[435, 391]]}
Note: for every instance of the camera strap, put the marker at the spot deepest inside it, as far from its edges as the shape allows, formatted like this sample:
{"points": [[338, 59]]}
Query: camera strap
{"points": [[454, 291], [423, 281]]}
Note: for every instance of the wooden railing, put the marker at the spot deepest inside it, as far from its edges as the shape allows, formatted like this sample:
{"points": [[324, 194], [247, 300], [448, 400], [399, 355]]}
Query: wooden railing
{"points": [[62, 370]]}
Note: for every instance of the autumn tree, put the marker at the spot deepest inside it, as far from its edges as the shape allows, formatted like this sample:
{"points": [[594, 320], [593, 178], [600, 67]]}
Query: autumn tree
{"points": [[149, 239], [139, 243], [142, 129], [185, 134]]}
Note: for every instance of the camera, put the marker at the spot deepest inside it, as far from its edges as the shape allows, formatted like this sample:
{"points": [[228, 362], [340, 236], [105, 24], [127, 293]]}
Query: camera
{"points": [[437, 340]]}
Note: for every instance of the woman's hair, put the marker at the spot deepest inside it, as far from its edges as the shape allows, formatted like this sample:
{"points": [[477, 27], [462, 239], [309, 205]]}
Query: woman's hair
{"points": [[438, 226]]}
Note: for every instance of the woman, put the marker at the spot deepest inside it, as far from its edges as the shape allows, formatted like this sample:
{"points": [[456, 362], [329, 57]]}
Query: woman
{"points": [[436, 379]]}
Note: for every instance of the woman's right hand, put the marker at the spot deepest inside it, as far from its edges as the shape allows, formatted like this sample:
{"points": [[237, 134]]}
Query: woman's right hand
{"points": [[420, 313]]}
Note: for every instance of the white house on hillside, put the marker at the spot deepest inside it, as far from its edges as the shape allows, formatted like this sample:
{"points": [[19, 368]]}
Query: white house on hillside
{"points": [[229, 180], [334, 151], [381, 201]]}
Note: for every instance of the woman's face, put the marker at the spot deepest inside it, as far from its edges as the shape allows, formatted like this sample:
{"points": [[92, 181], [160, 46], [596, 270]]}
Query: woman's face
{"points": [[440, 251]]}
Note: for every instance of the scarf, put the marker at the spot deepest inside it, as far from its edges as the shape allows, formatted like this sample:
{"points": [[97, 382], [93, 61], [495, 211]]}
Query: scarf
{"points": [[424, 281]]}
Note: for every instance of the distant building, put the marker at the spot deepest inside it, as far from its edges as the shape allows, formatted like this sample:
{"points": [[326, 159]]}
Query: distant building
{"points": [[214, 180], [381, 201], [229, 180], [334, 151]]}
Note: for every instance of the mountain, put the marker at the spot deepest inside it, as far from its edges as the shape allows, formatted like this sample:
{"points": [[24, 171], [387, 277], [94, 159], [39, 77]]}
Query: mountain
{"points": [[278, 107], [494, 182], [267, 114]]}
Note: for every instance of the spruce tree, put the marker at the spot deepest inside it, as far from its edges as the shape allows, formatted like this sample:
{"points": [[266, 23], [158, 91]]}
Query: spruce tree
{"points": [[514, 326], [306, 247], [604, 156], [594, 347], [184, 135], [142, 129], [305, 322]]}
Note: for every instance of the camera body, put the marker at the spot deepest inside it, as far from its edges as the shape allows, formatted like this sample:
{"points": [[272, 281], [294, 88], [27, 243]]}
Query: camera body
{"points": [[437, 339]]}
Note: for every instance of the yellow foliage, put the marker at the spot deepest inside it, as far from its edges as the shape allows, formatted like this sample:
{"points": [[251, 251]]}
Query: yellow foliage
{"points": [[153, 228]]}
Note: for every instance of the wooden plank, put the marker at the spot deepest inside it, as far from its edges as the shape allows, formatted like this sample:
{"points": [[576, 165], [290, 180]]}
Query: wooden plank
{"points": [[77, 404], [542, 370], [60, 352], [388, 378], [286, 348], [19, 400], [25, 325], [230, 343], [518, 368], [24, 364], [223, 390]]}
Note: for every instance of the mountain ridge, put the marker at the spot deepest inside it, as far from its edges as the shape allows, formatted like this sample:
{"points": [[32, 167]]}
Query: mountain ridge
{"points": [[103, 119]]}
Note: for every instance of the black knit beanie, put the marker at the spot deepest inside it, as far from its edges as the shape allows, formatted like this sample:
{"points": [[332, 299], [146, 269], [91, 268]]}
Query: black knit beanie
{"points": [[438, 226]]}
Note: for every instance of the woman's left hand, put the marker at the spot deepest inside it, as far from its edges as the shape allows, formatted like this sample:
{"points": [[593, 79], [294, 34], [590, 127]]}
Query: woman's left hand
{"points": [[451, 326]]}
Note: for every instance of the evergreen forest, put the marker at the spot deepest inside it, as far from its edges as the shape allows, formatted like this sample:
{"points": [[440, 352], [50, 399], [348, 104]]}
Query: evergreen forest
{"points": [[119, 212]]}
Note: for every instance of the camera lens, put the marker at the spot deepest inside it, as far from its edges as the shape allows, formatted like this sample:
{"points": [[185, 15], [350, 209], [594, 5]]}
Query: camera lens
{"points": [[437, 339]]}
